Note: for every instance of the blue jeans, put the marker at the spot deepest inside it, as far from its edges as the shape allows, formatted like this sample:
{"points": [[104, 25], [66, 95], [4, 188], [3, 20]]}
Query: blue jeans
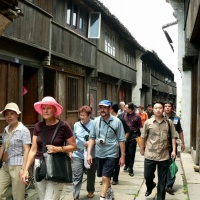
{"points": [[149, 175]]}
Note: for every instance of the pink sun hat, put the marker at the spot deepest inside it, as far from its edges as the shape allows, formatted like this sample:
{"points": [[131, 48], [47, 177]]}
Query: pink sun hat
{"points": [[48, 101]]}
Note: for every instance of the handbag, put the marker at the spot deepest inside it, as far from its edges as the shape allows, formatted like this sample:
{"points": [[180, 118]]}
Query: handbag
{"points": [[173, 168], [58, 165]]}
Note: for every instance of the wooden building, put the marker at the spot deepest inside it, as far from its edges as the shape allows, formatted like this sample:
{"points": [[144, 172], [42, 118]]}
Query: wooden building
{"points": [[48, 52], [73, 50], [157, 80]]}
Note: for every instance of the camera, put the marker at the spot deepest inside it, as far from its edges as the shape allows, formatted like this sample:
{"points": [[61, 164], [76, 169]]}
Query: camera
{"points": [[86, 137], [28, 179], [101, 140]]}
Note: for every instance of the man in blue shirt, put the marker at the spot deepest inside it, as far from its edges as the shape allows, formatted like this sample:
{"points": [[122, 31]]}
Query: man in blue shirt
{"points": [[109, 135]]}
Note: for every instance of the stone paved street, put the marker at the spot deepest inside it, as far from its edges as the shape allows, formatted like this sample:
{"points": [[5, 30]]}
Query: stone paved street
{"points": [[129, 188]]}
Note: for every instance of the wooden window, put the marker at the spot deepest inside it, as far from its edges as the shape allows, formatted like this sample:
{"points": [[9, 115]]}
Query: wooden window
{"points": [[75, 15], [81, 21], [72, 93], [69, 12], [113, 45], [127, 57], [94, 25], [85, 23], [109, 43], [77, 18]]}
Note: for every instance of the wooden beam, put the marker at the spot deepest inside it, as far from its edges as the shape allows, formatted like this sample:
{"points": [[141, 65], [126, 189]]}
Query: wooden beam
{"points": [[4, 22]]}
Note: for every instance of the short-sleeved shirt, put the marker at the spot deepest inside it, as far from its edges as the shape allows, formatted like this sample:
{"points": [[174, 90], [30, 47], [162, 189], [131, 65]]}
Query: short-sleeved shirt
{"points": [[176, 121], [133, 121], [18, 138], [79, 134], [64, 133], [111, 136], [156, 135]]}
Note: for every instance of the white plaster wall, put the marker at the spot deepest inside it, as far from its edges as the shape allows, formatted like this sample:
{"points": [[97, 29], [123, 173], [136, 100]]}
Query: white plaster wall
{"points": [[185, 90], [136, 90], [186, 106]]}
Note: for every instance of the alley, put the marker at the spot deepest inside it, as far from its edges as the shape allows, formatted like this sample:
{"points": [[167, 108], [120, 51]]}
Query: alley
{"points": [[129, 188]]}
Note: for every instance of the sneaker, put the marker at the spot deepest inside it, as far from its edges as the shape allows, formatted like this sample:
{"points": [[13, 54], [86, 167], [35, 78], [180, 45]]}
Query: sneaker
{"points": [[110, 194]]}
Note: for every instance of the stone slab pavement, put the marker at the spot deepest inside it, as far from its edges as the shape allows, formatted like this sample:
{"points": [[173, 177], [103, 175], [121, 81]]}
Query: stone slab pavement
{"points": [[133, 188]]}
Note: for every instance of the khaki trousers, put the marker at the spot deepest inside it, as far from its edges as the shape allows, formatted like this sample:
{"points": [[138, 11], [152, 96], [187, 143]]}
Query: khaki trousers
{"points": [[48, 190], [9, 175]]}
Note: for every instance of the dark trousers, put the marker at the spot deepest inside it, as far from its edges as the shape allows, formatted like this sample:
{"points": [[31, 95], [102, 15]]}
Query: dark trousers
{"points": [[130, 150], [170, 180], [117, 168], [149, 175]]}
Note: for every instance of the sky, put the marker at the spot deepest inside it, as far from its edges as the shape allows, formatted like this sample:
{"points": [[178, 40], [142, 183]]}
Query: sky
{"points": [[144, 20]]}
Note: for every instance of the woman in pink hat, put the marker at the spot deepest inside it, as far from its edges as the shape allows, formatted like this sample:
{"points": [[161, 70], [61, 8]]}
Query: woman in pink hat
{"points": [[49, 109], [13, 152]]}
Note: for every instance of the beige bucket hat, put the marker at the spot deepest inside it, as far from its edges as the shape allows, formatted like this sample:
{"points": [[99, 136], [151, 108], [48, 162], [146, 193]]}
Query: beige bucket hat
{"points": [[11, 106]]}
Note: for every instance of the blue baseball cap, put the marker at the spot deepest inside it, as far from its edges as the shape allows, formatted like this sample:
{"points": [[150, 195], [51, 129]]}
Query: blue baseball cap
{"points": [[105, 103]]}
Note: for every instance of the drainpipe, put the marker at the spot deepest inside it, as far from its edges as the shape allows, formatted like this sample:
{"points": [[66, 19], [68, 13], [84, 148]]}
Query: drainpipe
{"points": [[47, 59], [166, 33]]}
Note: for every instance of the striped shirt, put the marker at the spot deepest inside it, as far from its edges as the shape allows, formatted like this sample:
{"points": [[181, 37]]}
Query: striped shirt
{"points": [[20, 137]]}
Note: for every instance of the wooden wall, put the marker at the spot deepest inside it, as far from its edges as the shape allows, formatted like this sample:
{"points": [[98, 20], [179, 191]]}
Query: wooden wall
{"points": [[9, 87], [32, 29], [73, 47]]}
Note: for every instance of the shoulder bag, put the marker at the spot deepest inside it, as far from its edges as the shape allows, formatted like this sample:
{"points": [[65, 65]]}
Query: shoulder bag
{"points": [[169, 138], [59, 167]]}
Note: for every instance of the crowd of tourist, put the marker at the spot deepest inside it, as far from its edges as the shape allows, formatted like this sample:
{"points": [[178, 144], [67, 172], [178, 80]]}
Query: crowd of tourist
{"points": [[98, 146]]}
